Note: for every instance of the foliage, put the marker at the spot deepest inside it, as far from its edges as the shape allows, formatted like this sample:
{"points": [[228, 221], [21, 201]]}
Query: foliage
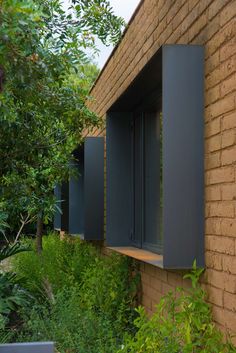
{"points": [[92, 297], [12, 294], [61, 264], [42, 107], [182, 323]]}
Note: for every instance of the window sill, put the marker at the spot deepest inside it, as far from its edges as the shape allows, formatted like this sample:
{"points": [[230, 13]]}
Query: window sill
{"points": [[140, 254]]}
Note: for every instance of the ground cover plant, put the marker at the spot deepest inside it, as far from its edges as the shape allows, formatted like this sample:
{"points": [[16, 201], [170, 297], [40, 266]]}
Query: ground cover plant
{"points": [[83, 301]]}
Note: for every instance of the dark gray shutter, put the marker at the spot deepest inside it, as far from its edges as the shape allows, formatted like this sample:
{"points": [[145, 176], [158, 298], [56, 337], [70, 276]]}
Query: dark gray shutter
{"points": [[94, 188], [183, 155], [86, 191], [119, 190]]}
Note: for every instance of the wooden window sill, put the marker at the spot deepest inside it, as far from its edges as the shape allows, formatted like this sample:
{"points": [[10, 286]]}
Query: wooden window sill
{"points": [[140, 254]]}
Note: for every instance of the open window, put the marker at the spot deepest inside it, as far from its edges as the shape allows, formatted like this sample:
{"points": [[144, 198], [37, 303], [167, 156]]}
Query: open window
{"points": [[155, 162]]}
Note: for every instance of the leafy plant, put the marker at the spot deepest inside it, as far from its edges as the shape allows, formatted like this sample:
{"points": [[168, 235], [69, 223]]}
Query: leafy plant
{"points": [[12, 294], [92, 297], [182, 323], [61, 264]]}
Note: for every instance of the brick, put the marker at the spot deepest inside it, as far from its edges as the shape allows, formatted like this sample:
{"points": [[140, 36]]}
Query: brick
{"points": [[220, 244], [224, 70], [213, 260], [229, 319], [215, 7], [228, 49], [228, 227], [212, 160], [221, 209], [197, 26], [229, 264], [213, 226], [213, 127], [166, 288], [228, 13], [228, 85], [175, 279], [229, 156], [222, 280], [145, 278], [220, 175], [229, 121], [229, 191], [220, 107], [223, 36], [215, 295], [212, 95], [213, 143], [229, 301], [228, 138], [213, 193], [156, 284]]}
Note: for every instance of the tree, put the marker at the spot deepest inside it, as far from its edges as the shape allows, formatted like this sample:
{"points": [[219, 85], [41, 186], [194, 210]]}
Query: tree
{"points": [[42, 105]]}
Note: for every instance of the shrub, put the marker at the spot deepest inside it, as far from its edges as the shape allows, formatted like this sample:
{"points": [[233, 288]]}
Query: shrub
{"points": [[182, 323], [60, 265], [93, 297]]}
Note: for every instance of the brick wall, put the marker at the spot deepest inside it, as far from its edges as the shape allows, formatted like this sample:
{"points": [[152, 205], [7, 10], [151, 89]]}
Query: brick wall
{"points": [[212, 23]]}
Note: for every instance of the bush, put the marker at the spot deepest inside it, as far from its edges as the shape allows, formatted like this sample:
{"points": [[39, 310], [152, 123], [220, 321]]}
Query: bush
{"points": [[61, 264], [92, 298], [182, 323]]}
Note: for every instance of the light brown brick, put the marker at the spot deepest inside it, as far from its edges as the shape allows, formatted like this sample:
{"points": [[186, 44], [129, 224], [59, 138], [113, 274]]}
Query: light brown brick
{"points": [[228, 49], [228, 138], [228, 227], [229, 264], [227, 13], [213, 260], [213, 143], [229, 121], [212, 160], [222, 209], [228, 156], [228, 85], [215, 7], [230, 301], [213, 193], [229, 190], [220, 244], [213, 127], [156, 284], [223, 36], [215, 295], [222, 280], [222, 106], [212, 95], [220, 175], [213, 226]]}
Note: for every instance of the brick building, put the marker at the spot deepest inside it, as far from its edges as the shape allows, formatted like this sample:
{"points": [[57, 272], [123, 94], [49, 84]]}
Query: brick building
{"points": [[207, 24], [211, 23]]}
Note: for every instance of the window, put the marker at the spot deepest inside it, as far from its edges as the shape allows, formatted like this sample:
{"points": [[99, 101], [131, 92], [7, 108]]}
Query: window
{"points": [[146, 179], [155, 161]]}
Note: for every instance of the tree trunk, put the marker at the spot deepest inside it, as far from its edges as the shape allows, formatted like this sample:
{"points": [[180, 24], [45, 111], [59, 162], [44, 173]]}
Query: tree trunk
{"points": [[39, 234]]}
